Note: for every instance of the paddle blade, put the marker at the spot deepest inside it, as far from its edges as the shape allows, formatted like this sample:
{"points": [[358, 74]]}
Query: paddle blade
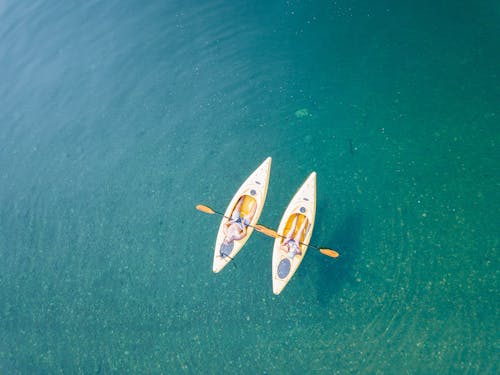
{"points": [[266, 231], [329, 252], [205, 209]]}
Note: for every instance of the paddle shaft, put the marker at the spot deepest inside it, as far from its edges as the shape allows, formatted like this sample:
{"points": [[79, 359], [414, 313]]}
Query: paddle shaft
{"points": [[251, 226], [300, 243], [267, 231]]}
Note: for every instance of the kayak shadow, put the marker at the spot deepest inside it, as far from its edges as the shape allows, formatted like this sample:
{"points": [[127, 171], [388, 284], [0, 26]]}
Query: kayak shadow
{"points": [[332, 274]]}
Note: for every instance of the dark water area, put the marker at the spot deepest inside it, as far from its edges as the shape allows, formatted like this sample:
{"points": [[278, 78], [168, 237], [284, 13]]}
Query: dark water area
{"points": [[117, 118]]}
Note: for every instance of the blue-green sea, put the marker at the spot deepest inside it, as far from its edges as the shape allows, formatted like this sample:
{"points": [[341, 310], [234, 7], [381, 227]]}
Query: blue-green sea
{"points": [[118, 117]]}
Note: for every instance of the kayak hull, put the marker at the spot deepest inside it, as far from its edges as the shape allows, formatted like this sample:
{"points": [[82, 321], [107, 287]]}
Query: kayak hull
{"points": [[254, 191], [302, 206]]}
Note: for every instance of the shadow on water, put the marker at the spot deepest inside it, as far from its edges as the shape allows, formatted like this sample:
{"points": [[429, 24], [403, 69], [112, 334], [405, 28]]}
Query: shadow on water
{"points": [[332, 274]]}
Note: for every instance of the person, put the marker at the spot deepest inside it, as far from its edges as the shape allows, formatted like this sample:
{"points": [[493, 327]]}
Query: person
{"points": [[236, 227], [292, 242]]}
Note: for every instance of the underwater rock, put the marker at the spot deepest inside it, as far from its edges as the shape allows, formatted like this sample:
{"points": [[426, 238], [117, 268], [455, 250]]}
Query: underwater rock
{"points": [[301, 113]]}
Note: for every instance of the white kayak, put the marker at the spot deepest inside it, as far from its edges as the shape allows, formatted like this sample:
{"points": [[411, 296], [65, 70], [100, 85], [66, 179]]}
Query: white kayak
{"points": [[253, 196], [301, 207]]}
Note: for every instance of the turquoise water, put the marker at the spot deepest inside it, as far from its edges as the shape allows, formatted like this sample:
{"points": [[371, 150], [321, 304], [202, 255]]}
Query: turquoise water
{"points": [[118, 117]]}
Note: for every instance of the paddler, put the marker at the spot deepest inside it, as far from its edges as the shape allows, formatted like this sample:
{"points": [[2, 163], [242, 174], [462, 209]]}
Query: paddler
{"points": [[236, 228]]}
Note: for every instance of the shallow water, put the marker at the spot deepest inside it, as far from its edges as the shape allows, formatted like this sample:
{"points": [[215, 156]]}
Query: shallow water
{"points": [[118, 118]]}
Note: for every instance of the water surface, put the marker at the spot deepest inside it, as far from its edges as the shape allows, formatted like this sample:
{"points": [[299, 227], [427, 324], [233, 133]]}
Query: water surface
{"points": [[117, 118]]}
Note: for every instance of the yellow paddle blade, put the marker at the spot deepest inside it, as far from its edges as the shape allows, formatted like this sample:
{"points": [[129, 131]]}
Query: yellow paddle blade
{"points": [[329, 252], [205, 209], [266, 231]]}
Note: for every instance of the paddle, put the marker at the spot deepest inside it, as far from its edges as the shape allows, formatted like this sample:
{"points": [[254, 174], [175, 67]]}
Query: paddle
{"points": [[272, 233], [208, 210], [268, 231]]}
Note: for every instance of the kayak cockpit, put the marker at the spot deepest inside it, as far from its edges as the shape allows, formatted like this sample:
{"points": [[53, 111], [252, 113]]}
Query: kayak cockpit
{"points": [[301, 218], [247, 207]]}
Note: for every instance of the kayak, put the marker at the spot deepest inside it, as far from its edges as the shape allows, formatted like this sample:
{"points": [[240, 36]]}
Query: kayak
{"points": [[252, 194], [301, 208]]}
